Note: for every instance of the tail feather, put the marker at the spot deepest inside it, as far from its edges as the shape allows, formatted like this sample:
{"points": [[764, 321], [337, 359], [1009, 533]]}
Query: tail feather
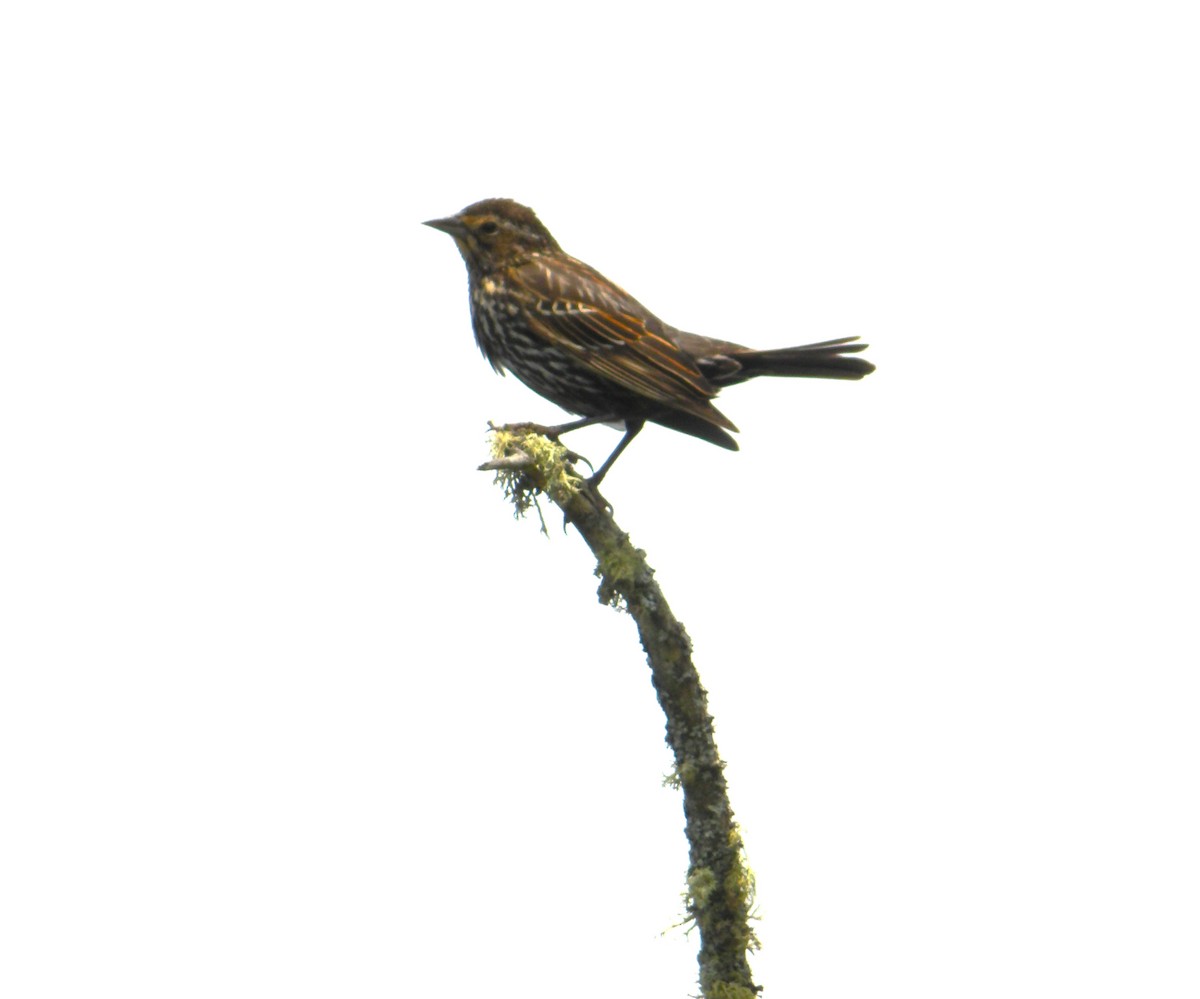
{"points": [[828, 359], [724, 363]]}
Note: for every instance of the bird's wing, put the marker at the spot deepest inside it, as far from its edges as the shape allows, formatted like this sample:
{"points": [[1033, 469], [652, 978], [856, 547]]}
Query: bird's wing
{"points": [[582, 313]]}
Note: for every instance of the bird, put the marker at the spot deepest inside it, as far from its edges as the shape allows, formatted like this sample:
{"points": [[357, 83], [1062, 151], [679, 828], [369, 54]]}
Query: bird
{"points": [[577, 339]]}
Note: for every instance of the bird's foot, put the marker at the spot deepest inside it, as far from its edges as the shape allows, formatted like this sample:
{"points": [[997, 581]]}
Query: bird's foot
{"points": [[551, 433], [518, 460], [590, 489]]}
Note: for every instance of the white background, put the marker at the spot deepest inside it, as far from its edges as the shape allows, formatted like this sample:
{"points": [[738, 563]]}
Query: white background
{"points": [[291, 706]]}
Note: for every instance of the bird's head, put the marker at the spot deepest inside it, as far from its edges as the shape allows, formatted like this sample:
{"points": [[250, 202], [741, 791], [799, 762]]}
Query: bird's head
{"points": [[496, 232]]}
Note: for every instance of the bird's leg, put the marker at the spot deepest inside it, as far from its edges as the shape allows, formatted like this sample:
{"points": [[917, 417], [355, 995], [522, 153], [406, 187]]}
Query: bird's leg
{"points": [[632, 429]]}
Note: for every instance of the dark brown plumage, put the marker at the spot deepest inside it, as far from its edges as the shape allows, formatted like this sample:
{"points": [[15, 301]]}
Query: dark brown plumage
{"points": [[577, 339]]}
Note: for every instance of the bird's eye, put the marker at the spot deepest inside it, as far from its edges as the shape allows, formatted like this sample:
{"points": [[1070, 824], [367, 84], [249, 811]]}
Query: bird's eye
{"points": [[489, 228]]}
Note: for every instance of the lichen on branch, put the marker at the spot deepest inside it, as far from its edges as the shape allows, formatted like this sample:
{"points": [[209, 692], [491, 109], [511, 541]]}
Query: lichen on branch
{"points": [[720, 887]]}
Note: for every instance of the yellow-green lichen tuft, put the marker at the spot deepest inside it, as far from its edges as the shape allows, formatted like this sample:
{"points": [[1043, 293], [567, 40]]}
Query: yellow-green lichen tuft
{"points": [[618, 567], [549, 470], [729, 990], [740, 889], [681, 775], [701, 883]]}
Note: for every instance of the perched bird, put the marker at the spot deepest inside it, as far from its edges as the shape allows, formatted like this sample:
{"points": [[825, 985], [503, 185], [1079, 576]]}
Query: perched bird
{"points": [[577, 339]]}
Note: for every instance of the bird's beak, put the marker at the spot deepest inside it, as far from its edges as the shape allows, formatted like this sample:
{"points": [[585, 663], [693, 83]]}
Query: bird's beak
{"points": [[453, 225]]}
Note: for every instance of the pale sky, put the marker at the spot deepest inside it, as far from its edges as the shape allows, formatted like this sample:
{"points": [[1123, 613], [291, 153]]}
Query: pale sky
{"points": [[291, 706]]}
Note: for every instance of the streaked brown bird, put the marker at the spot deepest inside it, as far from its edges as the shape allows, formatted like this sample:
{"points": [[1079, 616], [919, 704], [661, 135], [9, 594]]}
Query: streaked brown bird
{"points": [[577, 339]]}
